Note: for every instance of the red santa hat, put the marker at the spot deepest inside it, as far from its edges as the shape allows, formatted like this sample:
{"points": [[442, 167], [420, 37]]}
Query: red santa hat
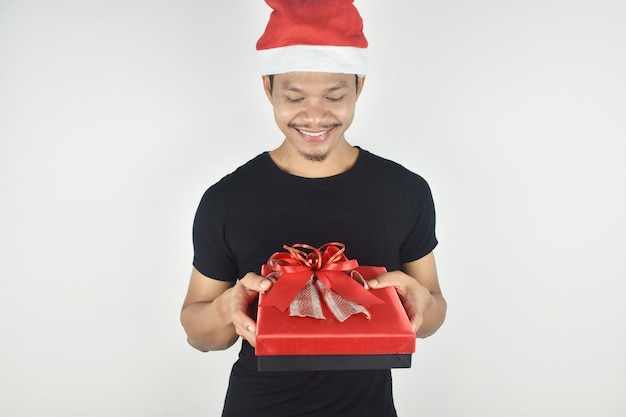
{"points": [[313, 35]]}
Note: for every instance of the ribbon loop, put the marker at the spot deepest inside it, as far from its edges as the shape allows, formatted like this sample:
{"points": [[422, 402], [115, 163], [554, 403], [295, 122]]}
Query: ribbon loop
{"points": [[304, 276]]}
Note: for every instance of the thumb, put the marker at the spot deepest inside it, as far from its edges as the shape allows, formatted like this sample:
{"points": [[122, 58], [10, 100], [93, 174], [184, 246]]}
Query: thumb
{"points": [[386, 279]]}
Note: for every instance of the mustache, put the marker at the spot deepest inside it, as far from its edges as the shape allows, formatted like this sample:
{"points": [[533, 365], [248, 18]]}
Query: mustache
{"points": [[304, 126]]}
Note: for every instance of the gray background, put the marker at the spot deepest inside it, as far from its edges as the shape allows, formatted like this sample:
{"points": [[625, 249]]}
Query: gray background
{"points": [[115, 116]]}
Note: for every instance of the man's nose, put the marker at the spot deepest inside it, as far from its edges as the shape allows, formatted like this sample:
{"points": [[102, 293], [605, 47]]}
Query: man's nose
{"points": [[315, 112]]}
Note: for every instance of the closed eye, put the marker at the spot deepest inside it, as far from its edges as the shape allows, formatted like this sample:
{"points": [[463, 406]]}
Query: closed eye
{"points": [[294, 99], [335, 99]]}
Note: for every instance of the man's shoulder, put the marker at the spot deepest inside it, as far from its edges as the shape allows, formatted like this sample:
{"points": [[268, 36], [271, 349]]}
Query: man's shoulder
{"points": [[246, 172], [380, 166], [242, 179], [254, 166]]}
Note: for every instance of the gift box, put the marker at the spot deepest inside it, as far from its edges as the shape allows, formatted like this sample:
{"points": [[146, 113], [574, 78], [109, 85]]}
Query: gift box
{"points": [[320, 315]]}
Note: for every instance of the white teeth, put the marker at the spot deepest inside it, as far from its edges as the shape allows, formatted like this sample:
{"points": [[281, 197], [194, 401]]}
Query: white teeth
{"points": [[313, 134]]}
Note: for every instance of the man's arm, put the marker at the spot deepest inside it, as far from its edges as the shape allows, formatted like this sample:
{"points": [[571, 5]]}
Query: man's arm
{"points": [[418, 287], [215, 313]]}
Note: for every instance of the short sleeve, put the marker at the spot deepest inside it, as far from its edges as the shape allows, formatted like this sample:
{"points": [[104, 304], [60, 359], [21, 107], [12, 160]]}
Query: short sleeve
{"points": [[421, 239], [212, 256]]}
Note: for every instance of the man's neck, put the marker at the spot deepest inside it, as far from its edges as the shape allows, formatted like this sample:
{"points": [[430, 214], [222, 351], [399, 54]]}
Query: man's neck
{"points": [[341, 159]]}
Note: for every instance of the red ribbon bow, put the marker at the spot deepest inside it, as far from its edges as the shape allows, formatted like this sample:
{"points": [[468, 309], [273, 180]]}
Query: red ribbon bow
{"points": [[304, 274]]}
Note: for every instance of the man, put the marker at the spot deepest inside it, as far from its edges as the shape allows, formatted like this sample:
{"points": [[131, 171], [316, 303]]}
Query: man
{"points": [[314, 188]]}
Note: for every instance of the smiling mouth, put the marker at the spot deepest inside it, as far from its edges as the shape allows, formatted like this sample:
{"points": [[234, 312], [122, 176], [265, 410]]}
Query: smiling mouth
{"points": [[315, 136], [312, 134]]}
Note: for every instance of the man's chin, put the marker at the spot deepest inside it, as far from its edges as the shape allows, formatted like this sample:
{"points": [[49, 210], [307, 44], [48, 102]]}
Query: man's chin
{"points": [[314, 157]]}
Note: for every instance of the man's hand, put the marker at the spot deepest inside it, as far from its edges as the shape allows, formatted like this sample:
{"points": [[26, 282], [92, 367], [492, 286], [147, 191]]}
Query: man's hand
{"points": [[416, 298], [418, 287], [242, 295]]}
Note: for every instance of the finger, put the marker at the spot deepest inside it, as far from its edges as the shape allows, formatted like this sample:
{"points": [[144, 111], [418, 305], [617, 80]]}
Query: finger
{"points": [[247, 330], [387, 279], [239, 306], [256, 282], [243, 323]]}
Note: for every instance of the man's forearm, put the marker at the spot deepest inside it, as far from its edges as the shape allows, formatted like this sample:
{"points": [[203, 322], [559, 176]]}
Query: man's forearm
{"points": [[208, 324]]}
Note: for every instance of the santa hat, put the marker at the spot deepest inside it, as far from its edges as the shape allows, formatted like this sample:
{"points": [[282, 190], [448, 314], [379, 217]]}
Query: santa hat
{"points": [[313, 35]]}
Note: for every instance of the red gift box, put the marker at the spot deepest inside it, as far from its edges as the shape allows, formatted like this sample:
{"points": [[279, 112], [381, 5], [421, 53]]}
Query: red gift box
{"points": [[383, 340]]}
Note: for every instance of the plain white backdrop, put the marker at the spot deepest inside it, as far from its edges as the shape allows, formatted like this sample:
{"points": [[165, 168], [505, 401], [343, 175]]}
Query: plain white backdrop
{"points": [[115, 116]]}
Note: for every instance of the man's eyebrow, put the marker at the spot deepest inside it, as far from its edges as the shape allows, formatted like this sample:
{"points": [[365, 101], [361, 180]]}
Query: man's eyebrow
{"points": [[290, 87], [339, 86]]}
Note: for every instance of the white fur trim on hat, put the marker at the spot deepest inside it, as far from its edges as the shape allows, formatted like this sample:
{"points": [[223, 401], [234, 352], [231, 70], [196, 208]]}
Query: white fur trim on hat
{"points": [[311, 58]]}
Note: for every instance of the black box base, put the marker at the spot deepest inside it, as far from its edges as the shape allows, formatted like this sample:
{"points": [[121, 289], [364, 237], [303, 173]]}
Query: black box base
{"points": [[332, 362]]}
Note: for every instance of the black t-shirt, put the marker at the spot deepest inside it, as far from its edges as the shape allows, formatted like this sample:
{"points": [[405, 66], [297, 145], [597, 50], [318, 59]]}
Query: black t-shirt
{"points": [[382, 212]]}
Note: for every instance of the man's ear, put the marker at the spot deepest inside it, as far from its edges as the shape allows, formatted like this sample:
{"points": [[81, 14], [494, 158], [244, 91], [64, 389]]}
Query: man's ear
{"points": [[359, 85], [267, 86]]}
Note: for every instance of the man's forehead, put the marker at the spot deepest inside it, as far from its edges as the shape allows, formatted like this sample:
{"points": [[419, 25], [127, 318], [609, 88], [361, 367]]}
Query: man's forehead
{"points": [[328, 82]]}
